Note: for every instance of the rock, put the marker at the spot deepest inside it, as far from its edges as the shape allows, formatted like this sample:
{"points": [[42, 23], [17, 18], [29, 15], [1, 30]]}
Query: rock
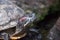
{"points": [[54, 33]]}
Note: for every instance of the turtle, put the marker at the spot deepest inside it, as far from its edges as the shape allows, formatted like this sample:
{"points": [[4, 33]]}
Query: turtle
{"points": [[9, 18], [13, 19]]}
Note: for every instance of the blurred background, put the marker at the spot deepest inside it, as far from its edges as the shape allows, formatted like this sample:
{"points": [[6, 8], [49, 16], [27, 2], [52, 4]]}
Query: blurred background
{"points": [[47, 13]]}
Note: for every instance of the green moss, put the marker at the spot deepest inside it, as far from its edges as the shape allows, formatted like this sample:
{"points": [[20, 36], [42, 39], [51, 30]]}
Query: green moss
{"points": [[55, 7], [43, 14]]}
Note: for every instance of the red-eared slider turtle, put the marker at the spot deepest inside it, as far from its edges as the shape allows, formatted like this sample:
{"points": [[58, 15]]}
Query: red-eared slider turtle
{"points": [[11, 19]]}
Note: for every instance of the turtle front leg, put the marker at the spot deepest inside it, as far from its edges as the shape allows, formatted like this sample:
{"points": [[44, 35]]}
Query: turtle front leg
{"points": [[6, 36]]}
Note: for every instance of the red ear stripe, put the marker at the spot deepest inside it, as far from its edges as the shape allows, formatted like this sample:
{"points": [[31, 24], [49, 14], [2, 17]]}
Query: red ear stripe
{"points": [[23, 18]]}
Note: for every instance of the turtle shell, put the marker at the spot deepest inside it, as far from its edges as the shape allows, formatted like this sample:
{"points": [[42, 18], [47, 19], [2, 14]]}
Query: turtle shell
{"points": [[9, 14]]}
